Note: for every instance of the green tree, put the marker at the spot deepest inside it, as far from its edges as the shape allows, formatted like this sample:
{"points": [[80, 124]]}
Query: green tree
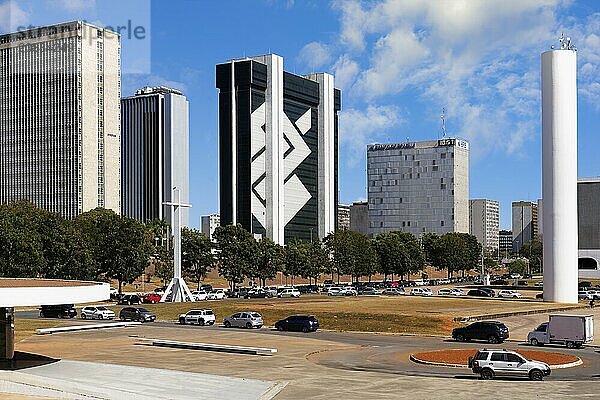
{"points": [[517, 267], [21, 247], [351, 254], [163, 265], [270, 259], [296, 258], [449, 252], [399, 253], [120, 245], [317, 261], [474, 252], [236, 252], [196, 258], [534, 252], [427, 241]]}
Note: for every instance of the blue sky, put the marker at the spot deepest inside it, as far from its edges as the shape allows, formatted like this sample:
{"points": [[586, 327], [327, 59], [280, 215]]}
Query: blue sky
{"points": [[397, 63]]}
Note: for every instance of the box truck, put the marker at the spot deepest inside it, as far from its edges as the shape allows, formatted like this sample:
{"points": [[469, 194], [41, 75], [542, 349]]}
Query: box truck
{"points": [[569, 330]]}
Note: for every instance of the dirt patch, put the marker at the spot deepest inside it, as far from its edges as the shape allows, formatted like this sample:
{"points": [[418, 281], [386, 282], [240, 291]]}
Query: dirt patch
{"points": [[461, 357]]}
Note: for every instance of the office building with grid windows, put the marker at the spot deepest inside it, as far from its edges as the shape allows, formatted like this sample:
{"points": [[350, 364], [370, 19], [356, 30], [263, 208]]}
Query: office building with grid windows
{"points": [[419, 187], [60, 129], [155, 154], [485, 220]]}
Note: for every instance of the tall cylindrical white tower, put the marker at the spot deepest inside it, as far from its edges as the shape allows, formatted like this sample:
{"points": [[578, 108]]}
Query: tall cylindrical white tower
{"points": [[559, 174]]}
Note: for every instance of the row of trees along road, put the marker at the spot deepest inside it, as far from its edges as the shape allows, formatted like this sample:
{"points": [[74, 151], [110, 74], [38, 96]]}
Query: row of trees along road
{"points": [[100, 244]]}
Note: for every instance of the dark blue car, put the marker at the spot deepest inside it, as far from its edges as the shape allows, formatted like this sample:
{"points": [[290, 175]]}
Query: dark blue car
{"points": [[298, 323]]}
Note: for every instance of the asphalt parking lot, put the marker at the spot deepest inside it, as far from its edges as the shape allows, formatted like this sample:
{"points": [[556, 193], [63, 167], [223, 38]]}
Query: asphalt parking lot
{"points": [[315, 365]]}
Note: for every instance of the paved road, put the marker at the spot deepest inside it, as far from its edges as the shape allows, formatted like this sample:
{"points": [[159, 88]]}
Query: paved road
{"points": [[384, 353]]}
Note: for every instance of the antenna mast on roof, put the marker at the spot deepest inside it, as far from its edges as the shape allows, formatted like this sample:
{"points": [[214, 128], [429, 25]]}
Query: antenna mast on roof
{"points": [[443, 124]]}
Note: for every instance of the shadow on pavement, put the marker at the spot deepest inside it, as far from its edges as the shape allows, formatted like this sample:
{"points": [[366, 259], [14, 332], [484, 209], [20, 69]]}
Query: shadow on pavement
{"points": [[24, 360]]}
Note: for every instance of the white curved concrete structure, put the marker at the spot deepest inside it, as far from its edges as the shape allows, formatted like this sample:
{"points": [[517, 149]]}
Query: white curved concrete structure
{"points": [[559, 174], [35, 292]]}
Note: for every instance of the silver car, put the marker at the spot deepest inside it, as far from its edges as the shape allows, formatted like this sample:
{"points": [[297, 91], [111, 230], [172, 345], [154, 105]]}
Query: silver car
{"points": [[91, 312], [247, 319]]}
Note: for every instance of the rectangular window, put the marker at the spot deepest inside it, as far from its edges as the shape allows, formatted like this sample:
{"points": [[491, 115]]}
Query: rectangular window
{"points": [[441, 223]]}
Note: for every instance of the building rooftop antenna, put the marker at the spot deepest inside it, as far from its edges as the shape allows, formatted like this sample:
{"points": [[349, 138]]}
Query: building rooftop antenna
{"points": [[443, 123], [565, 42]]}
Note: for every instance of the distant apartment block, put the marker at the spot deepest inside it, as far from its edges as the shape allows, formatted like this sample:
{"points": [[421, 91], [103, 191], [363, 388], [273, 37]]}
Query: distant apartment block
{"points": [[359, 217], [343, 217], [155, 153], [208, 224], [60, 90], [505, 243], [419, 187], [588, 201], [485, 219], [524, 223]]}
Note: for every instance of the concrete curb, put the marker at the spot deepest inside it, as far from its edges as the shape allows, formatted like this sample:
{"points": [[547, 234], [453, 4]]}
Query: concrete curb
{"points": [[206, 346], [76, 328], [439, 364]]}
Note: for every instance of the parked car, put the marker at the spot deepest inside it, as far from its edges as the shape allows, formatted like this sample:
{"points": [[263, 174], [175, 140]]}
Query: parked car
{"points": [[585, 295], [394, 291], [206, 287], [258, 294], [216, 294], [246, 319], [58, 311], [348, 291], [569, 330], [237, 293], [539, 295], [499, 282], [479, 293], [130, 299], [200, 295], [334, 291], [289, 293], [539, 284], [151, 298], [272, 290], [160, 290], [445, 292], [585, 284], [515, 276], [100, 312], [491, 331], [421, 292], [368, 291], [491, 363], [457, 292], [300, 323], [509, 294], [113, 293], [200, 317], [136, 314]]}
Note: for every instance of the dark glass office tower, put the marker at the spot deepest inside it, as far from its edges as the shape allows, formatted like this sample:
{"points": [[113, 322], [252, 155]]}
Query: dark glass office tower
{"points": [[278, 150]]}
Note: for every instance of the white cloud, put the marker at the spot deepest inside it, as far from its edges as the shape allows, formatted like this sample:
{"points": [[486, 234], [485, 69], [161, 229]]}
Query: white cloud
{"points": [[361, 127], [78, 5], [478, 58], [12, 17], [346, 70], [314, 55]]}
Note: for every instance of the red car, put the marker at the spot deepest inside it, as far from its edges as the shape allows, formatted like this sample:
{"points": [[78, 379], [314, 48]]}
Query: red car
{"points": [[151, 298]]}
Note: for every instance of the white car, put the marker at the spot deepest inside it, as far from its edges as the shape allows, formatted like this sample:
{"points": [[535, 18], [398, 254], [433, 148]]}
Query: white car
{"points": [[490, 363], [289, 293], [421, 292], [457, 292], [200, 295], [445, 292], [272, 290], [583, 295], [515, 276], [200, 317], [216, 294], [334, 291], [509, 294], [91, 312], [348, 291]]}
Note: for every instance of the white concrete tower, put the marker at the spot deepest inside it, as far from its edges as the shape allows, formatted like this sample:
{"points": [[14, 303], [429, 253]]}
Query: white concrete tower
{"points": [[559, 172]]}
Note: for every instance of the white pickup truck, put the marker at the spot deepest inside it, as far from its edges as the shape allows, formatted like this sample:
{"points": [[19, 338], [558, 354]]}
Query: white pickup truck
{"points": [[570, 330]]}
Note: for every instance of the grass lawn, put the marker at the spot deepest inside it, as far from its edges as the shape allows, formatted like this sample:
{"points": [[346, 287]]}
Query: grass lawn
{"points": [[25, 328], [402, 314]]}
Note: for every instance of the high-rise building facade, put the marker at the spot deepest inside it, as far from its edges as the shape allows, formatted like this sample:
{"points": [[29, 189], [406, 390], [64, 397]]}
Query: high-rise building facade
{"points": [[208, 224], [343, 217], [505, 243], [359, 217], [588, 209], [419, 187], [278, 150], [485, 220], [60, 142], [524, 223], [155, 153]]}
